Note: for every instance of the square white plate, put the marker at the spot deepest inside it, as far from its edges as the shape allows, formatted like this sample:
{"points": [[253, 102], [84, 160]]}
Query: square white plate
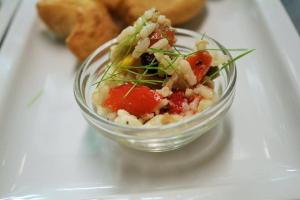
{"points": [[47, 151]]}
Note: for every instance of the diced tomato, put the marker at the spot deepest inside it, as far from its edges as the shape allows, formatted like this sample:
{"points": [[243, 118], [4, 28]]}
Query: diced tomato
{"points": [[163, 32], [176, 101], [170, 35], [200, 63], [191, 98], [137, 100], [155, 36]]}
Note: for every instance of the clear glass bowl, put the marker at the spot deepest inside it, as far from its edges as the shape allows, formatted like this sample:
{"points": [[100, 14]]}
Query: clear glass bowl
{"points": [[167, 137]]}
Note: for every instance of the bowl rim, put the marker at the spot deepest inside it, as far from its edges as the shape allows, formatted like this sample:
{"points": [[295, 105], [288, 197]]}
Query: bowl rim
{"points": [[198, 116]]}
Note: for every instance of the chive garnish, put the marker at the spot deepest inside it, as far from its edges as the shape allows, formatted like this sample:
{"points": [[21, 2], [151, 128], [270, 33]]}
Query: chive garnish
{"points": [[211, 77], [35, 98]]}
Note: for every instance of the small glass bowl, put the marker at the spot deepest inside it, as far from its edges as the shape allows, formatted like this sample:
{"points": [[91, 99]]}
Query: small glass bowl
{"points": [[166, 137]]}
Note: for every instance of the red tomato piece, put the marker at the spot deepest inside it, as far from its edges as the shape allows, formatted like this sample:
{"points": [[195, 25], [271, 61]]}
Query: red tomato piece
{"points": [[200, 63], [170, 35], [137, 100], [176, 101], [163, 32]]}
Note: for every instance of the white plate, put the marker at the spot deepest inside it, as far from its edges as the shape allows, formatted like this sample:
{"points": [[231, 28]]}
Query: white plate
{"points": [[47, 151]]}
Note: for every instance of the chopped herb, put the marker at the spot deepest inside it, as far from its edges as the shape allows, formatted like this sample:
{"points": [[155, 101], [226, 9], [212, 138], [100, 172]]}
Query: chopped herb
{"points": [[213, 72], [177, 51], [203, 35], [160, 70], [35, 98], [187, 55], [104, 74], [128, 92], [211, 77]]}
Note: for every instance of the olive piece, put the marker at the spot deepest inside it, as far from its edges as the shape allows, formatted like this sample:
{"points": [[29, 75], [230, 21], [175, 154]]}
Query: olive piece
{"points": [[149, 59]]}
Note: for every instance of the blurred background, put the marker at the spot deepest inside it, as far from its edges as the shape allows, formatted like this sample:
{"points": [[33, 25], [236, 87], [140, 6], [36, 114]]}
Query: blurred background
{"points": [[59, 16]]}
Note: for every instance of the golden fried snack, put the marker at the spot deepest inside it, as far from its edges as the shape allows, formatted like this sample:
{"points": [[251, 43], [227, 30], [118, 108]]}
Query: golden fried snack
{"points": [[94, 27], [112, 5], [178, 11], [86, 23], [59, 15]]}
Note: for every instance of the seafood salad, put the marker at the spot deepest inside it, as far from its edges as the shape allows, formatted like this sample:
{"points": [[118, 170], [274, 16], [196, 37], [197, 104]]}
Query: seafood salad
{"points": [[148, 82]]}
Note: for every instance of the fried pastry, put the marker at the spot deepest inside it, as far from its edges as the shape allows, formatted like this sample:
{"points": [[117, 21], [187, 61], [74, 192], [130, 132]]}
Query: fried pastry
{"points": [[86, 23], [178, 11], [112, 5], [93, 28], [60, 16]]}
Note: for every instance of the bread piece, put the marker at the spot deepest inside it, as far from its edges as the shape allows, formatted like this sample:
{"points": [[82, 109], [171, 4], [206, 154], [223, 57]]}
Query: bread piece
{"points": [[178, 11], [94, 27]]}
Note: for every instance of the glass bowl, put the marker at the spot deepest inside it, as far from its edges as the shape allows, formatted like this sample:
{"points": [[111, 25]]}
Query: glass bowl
{"points": [[166, 137]]}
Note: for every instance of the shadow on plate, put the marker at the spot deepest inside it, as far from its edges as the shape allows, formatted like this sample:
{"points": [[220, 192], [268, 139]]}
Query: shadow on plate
{"points": [[199, 157], [51, 36]]}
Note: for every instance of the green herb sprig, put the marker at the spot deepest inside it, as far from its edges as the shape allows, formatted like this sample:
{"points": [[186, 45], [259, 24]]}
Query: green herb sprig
{"points": [[35, 98], [225, 65], [177, 53], [173, 53]]}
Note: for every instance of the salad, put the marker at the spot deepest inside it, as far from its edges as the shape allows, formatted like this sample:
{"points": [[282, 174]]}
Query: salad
{"points": [[149, 82]]}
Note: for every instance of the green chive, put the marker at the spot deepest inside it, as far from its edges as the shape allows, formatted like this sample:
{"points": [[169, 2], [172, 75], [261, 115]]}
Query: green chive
{"points": [[227, 64]]}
